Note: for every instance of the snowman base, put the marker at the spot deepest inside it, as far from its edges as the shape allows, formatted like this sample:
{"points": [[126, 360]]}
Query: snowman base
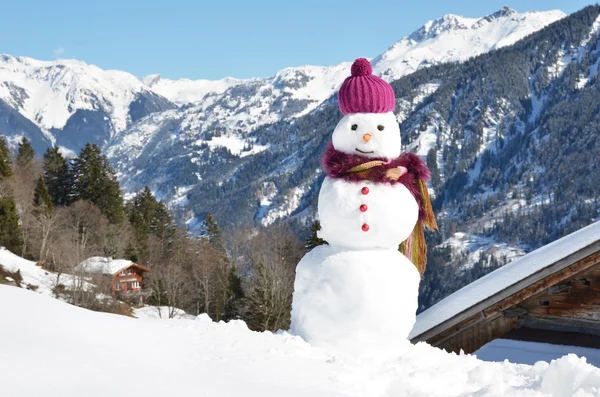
{"points": [[360, 302]]}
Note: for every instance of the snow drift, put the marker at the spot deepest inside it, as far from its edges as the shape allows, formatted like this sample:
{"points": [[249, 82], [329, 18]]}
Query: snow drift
{"points": [[52, 349]]}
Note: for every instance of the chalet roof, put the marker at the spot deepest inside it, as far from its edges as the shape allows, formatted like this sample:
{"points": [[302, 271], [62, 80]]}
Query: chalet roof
{"points": [[109, 266], [507, 280]]}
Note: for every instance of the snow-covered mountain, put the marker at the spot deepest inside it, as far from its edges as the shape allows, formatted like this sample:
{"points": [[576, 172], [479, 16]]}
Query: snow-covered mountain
{"points": [[222, 124], [184, 91], [71, 102], [453, 38]]}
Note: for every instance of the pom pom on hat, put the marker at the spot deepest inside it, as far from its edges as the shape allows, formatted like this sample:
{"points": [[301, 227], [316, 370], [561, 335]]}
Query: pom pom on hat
{"points": [[363, 92], [361, 67]]}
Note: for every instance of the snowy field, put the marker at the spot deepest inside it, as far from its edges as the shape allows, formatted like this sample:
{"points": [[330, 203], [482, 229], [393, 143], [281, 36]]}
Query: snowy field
{"points": [[52, 349]]}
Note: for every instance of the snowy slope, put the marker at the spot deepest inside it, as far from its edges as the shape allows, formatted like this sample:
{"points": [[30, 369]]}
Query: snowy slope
{"points": [[34, 277], [468, 249], [504, 277], [59, 350]]}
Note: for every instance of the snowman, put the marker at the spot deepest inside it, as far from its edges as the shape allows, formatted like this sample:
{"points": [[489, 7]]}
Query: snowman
{"points": [[358, 294]]}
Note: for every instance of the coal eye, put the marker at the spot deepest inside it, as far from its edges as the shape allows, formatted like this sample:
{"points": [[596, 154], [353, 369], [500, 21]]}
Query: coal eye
{"points": [[380, 127], [354, 127]]}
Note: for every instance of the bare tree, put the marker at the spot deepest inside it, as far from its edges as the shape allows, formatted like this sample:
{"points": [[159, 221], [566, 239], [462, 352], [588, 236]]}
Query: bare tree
{"points": [[23, 187], [273, 254], [205, 268]]}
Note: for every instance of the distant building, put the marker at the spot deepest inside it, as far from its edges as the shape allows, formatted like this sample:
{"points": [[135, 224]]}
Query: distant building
{"points": [[126, 278], [551, 295]]}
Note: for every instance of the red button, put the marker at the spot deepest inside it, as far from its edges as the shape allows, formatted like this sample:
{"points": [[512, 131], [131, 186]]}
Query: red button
{"points": [[365, 190], [365, 227], [363, 208]]}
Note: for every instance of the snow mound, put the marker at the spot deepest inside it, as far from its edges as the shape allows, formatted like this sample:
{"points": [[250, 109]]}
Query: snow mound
{"points": [[54, 349], [160, 313]]}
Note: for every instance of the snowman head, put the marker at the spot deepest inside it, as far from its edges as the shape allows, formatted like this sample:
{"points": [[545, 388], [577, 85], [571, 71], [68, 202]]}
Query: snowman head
{"points": [[368, 127], [368, 134]]}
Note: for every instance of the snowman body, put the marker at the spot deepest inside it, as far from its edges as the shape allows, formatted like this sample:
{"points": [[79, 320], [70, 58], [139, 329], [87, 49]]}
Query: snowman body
{"points": [[389, 211], [359, 293]]}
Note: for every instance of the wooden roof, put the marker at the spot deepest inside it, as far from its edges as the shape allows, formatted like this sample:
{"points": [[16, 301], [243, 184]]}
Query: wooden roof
{"points": [[551, 294], [141, 267]]}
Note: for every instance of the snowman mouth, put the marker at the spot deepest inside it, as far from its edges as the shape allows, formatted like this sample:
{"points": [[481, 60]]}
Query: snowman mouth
{"points": [[360, 151]]}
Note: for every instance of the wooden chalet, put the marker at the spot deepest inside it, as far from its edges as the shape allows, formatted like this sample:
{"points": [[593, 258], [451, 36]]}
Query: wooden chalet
{"points": [[125, 278], [551, 295]]}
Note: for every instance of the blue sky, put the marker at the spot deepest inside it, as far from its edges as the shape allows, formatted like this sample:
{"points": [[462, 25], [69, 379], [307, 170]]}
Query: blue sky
{"points": [[210, 40]]}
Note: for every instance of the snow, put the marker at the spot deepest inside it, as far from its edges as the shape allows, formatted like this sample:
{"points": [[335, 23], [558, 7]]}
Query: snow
{"points": [[49, 92], [391, 214], [453, 38], [522, 352], [473, 246], [58, 350], [185, 91], [32, 274], [180, 198], [426, 141], [504, 277], [361, 302], [102, 265], [290, 203], [235, 144], [385, 143], [160, 313]]}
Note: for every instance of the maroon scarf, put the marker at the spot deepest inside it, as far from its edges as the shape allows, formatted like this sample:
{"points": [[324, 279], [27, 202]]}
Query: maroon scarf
{"points": [[338, 165]]}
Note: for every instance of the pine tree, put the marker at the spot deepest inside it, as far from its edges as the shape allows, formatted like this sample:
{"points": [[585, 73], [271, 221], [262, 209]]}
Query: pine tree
{"points": [[314, 240], [162, 224], [234, 296], [147, 216], [58, 177], [26, 154], [41, 198], [10, 233], [5, 169], [213, 232], [141, 212], [95, 181]]}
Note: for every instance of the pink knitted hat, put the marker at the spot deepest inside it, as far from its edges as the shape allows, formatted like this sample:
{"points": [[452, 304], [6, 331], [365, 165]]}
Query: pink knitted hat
{"points": [[364, 93]]}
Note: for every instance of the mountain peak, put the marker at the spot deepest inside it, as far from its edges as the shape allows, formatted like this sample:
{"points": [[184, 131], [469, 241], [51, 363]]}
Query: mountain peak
{"points": [[438, 26], [501, 13], [151, 79]]}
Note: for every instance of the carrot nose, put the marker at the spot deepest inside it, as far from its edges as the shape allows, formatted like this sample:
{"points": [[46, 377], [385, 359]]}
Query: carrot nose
{"points": [[367, 137]]}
